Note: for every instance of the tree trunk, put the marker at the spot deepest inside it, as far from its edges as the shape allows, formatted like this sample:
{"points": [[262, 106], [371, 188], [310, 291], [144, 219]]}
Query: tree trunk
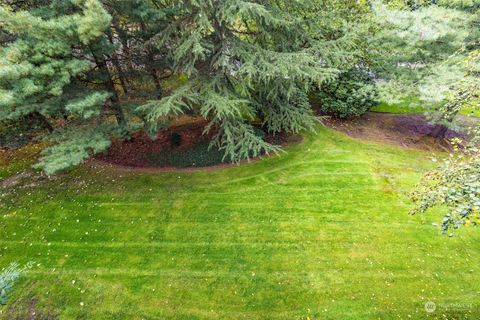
{"points": [[156, 79], [118, 67], [115, 101], [151, 68], [117, 109], [128, 64]]}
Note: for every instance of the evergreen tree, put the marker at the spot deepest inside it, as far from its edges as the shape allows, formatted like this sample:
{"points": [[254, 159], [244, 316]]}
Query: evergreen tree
{"points": [[417, 50], [82, 67], [421, 46], [98, 68], [41, 68], [250, 60]]}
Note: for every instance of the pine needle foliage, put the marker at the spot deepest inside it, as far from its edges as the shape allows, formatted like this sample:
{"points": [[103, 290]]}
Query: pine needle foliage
{"points": [[40, 71], [247, 61], [88, 67]]}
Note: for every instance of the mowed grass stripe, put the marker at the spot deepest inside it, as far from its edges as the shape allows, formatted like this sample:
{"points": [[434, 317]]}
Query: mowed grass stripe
{"points": [[321, 232]]}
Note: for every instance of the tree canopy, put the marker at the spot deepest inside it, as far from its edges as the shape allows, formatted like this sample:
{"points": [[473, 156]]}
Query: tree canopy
{"points": [[93, 70]]}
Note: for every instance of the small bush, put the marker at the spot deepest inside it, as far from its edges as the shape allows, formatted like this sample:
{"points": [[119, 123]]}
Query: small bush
{"points": [[353, 94]]}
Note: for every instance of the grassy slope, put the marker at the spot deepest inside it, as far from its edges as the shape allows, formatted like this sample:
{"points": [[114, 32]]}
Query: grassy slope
{"points": [[322, 232]]}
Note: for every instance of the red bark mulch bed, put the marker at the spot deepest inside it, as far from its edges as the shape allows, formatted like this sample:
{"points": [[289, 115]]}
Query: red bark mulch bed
{"points": [[191, 143], [133, 152]]}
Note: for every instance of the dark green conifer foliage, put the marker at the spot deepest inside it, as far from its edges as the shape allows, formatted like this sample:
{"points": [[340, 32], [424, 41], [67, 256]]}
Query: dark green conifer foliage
{"points": [[352, 94], [41, 68], [248, 60], [84, 66]]}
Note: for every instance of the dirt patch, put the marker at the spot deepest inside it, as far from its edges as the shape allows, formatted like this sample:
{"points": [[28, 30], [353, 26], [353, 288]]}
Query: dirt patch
{"points": [[411, 131], [26, 309], [14, 180]]}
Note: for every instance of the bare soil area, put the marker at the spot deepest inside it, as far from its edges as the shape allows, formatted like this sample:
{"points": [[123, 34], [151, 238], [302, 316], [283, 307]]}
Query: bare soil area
{"points": [[411, 131]]}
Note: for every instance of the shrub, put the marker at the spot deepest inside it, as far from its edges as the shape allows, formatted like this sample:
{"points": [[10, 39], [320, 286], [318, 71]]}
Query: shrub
{"points": [[353, 94]]}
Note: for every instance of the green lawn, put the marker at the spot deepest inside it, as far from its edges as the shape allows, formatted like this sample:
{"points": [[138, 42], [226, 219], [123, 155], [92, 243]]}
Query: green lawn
{"points": [[414, 106], [322, 232], [407, 106]]}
